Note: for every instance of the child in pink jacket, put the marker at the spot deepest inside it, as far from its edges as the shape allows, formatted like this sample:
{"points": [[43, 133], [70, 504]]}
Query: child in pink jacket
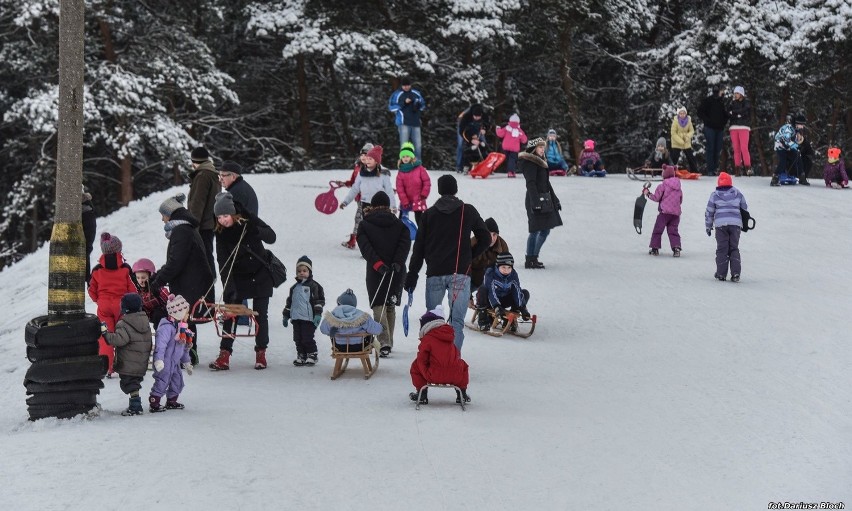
{"points": [[670, 196], [412, 183], [513, 136]]}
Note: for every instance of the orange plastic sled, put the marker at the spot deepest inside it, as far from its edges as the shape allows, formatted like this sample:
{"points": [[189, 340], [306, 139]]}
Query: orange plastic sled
{"points": [[484, 168], [685, 174]]}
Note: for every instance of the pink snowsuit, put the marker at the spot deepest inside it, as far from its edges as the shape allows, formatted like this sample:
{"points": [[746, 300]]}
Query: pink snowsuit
{"points": [[513, 136]]}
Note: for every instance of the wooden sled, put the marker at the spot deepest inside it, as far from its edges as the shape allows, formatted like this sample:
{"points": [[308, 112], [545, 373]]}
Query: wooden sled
{"points": [[645, 174], [511, 324], [438, 385], [341, 358], [205, 312], [685, 174]]}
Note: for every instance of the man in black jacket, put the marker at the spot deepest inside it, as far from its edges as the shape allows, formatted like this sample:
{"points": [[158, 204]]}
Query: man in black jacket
{"points": [[443, 240], [186, 271], [714, 116]]}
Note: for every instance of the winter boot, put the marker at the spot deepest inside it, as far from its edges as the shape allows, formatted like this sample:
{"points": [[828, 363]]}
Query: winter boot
{"points": [[135, 407], [735, 277], [749, 172], [719, 277], [385, 351], [350, 243], [483, 319], [154, 404], [311, 359], [462, 395], [222, 363], [424, 397], [676, 251], [511, 174], [774, 181], [301, 359], [654, 251], [532, 263], [172, 404], [525, 314], [260, 359], [804, 180]]}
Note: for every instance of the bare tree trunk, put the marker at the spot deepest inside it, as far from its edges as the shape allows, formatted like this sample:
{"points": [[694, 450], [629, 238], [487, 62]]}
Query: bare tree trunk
{"points": [[341, 108], [756, 139], [126, 178], [567, 48], [67, 266], [304, 116]]}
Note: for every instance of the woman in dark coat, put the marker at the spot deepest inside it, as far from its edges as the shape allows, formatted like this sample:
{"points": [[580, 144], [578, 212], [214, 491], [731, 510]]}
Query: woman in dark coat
{"points": [[541, 216], [384, 242], [186, 271], [240, 236]]}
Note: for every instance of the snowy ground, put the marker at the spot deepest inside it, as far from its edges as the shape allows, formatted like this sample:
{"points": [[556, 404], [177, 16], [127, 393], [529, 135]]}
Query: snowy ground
{"points": [[647, 385]]}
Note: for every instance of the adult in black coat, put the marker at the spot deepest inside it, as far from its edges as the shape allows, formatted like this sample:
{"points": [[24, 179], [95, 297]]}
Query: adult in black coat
{"points": [[443, 241], [90, 229], [714, 115], [473, 121], [231, 179], [240, 236], [541, 217], [186, 271], [384, 242]]}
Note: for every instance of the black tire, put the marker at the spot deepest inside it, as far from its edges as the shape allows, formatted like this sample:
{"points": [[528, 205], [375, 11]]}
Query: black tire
{"points": [[59, 411], [76, 397], [68, 369], [81, 331], [65, 386], [78, 350]]}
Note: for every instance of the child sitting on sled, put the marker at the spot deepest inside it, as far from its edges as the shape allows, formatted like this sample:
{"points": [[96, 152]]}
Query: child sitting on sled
{"points": [[501, 290], [346, 324], [660, 156], [438, 360], [556, 163], [590, 162], [834, 172], [473, 153]]}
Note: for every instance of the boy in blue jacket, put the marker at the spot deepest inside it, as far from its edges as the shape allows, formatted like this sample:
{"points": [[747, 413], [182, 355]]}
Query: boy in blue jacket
{"points": [[304, 309], [501, 290]]}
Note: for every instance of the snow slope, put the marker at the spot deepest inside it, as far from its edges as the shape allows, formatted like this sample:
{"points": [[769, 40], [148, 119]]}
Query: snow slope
{"points": [[647, 385]]}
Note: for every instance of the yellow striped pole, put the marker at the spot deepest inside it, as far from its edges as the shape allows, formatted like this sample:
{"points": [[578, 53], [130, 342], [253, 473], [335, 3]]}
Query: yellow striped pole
{"points": [[66, 285]]}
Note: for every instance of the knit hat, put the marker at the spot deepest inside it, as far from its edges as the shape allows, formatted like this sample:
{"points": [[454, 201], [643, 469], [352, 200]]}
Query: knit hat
{"points": [[177, 306], [661, 142], [348, 298], [532, 144], [505, 258], [447, 185], [380, 199], [681, 109], [432, 315], [172, 204], [800, 119], [668, 171], [476, 109], [491, 224], [724, 179], [131, 302], [305, 261], [589, 145], [224, 204], [405, 80], [144, 265], [375, 153], [407, 150], [833, 154], [110, 244], [366, 148], [199, 155], [514, 118], [739, 90], [551, 131], [231, 166]]}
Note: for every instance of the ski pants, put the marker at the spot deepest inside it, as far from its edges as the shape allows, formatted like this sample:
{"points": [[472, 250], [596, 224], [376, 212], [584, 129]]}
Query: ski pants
{"points": [[169, 381], [303, 336], [728, 250], [739, 142], [666, 221], [789, 163], [507, 301], [109, 312]]}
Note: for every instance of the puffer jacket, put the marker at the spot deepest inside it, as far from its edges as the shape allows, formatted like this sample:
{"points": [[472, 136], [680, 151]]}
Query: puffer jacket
{"points": [[682, 135], [368, 183], [669, 195], [835, 173], [438, 360], [485, 260], [110, 278], [513, 136], [723, 208], [498, 286], [132, 341], [413, 186], [346, 320]]}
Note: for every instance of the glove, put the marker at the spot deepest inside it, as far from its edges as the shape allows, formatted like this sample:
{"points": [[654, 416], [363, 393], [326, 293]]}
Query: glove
{"points": [[708, 231], [794, 146], [405, 207], [396, 267], [383, 268], [187, 367], [104, 328], [317, 319], [285, 321], [159, 365], [342, 205], [410, 282]]}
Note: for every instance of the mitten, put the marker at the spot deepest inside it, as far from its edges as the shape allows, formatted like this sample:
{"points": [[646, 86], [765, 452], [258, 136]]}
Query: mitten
{"points": [[396, 267], [381, 267], [159, 365], [342, 205], [410, 282], [708, 231], [187, 367], [104, 328], [285, 321], [317, 319]]}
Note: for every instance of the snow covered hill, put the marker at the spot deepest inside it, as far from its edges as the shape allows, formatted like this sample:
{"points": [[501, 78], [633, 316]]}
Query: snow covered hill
{"points": [[647, 384]]}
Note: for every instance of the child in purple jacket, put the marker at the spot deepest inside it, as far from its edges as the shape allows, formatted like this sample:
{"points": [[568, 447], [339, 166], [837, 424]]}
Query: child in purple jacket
{"points": [[670, 197], [834, 172], [171, 354]]}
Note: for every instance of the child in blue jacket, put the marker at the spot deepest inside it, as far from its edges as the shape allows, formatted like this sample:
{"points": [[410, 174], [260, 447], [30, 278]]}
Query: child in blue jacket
{"points": [[501, 290], [346, 324]]}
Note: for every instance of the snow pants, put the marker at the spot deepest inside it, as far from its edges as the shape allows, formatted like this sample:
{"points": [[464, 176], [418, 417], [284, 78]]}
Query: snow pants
{"points": [[667, 222], [728, 250], [109, 311], [303, 336], [169, 381], [739, 142]]}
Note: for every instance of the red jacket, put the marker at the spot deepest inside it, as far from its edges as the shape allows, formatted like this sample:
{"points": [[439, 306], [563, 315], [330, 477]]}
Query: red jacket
{"points": [[110, 278], [413, 188], [438, 360]]}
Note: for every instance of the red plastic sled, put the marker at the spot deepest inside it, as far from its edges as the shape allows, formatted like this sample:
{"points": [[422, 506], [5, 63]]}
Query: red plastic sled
{"points": [[326, 202], [484, 168], [685, 174]]}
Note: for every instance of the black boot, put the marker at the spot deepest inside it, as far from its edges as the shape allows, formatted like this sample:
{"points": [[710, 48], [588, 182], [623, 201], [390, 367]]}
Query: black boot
{"points": [[483, 319], [804, 181], [462, 395], [532, 263], [424, 397], [774, 181]]}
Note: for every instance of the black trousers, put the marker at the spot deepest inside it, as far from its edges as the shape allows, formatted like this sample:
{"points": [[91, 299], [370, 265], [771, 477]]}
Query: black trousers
{"points": [[303, 336], [129, 384]]}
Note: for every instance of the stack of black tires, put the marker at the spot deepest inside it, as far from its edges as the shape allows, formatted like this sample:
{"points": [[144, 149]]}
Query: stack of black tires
{"points": [[67, 373]]}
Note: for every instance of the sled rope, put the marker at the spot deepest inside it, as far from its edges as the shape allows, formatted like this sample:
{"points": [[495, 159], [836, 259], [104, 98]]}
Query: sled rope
{"points": [[232, 259]]}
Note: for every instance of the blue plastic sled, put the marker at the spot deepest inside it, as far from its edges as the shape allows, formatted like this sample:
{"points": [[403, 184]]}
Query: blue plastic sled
{"points": [[412, 227], [786, 179], [405, 313]]}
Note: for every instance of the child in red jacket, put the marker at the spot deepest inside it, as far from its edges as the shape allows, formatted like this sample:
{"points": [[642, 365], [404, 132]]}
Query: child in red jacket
{"points": [[412, 183], [109, 283], [438, 360]]}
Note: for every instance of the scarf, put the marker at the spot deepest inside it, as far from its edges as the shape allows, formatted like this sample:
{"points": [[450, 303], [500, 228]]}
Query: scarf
{"points": [[683, 121], [408, 167], [171, 224]]}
